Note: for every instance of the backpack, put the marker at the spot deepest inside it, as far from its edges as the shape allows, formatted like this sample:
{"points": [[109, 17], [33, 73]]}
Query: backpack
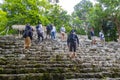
{"points": [[49, 27], [25, 34], [37, 27]]}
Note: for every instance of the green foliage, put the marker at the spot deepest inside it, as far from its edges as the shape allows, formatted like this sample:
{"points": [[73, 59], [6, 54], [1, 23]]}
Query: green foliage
{"points": [[80, 31], [3, 61], [3, 19], [80, 16], [85, 15], [33, 11], [82, 9], [98, 16], [111, 34], [46, 76], [68, 28], [110, 11]]}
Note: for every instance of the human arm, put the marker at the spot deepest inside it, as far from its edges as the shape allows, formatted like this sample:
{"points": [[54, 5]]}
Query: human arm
{"points": [[68, 40], [77, 39]]}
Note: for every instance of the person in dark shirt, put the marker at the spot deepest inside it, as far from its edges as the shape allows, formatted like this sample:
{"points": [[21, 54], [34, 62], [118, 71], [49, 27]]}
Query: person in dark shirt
{"points": [[28, 33], [72, 42], [48, 31], [92, 36]]}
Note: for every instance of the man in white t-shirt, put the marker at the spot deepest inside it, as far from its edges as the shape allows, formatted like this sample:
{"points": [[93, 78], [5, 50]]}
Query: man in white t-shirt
{"points": [[102, 39]]}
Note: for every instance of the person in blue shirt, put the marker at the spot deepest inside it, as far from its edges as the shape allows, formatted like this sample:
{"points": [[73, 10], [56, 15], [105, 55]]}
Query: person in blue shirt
{"points": [[53, 32]]}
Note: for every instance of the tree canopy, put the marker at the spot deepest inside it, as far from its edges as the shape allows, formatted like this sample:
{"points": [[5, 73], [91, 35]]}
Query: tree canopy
{"points": [[105, 15], [34, 11]]}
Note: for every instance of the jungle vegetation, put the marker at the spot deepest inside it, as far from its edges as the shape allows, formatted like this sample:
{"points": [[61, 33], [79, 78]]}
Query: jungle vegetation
{"points": [[102, 15]]}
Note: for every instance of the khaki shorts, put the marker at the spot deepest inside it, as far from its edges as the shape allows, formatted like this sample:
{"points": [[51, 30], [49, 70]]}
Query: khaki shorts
{"points": [[27, 42], [63, 33]]}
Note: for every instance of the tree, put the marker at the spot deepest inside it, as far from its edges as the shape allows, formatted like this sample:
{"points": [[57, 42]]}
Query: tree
{"points": [[103, 15], [112, 10], [34, 11], [80, 14], [3, 22], [25, 11], [82, 9], [58, 17]]}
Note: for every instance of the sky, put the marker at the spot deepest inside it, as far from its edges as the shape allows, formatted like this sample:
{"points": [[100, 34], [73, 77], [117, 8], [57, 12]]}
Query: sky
{"points": [[68, 5], [1, 1]]}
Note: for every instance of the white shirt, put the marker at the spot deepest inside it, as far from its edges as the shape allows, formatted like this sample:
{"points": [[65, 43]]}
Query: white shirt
{"points": [[41, 28], [53, 29], [62, 29], [101, 35]]}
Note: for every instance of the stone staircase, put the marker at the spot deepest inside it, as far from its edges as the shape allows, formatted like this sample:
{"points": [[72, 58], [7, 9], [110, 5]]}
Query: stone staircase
{"points": [[49, 60]]}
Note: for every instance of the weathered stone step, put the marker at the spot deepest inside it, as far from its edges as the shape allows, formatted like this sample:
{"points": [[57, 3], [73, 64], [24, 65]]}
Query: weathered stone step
{"points": [[32, 63], [84, 79], [20, 70], [29, 76], [59, 64], [55, 76], [34, 76], [45, 59], [33, 70], [43, 62], [94, 75], [98, 63], [33, 60], [104, 64], [51, 56], [38, 55], [106, 78], [37, 65]]}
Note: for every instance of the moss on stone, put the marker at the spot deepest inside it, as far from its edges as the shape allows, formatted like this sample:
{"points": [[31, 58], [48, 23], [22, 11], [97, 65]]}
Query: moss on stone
{"points": [[3, 61]]}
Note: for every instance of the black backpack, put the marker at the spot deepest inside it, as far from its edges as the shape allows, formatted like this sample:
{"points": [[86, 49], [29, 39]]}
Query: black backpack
{"points": [[25, 34], [49, 27]]}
